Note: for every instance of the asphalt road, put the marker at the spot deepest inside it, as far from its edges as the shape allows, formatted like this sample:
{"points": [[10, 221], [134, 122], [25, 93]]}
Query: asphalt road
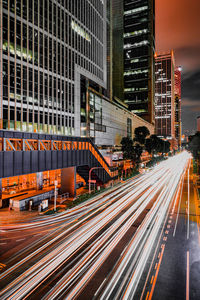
{"points": [[116, 246]]}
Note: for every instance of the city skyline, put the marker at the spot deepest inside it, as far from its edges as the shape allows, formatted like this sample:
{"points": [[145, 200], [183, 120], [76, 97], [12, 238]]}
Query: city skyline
{"points": [[99, 193]]}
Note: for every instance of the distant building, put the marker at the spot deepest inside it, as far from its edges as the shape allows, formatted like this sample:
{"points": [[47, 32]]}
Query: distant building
{"points": [[178, 123], [177, 81], [198, 123], [165, 96]]}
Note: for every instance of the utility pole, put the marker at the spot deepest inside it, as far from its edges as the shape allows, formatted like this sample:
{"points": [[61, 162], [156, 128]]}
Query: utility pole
{"points": [[55, 194]]}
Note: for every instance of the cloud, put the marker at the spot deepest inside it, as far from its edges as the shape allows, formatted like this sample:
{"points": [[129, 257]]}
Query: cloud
{"points": [[188, 57], [190, 103], [191, 86]]}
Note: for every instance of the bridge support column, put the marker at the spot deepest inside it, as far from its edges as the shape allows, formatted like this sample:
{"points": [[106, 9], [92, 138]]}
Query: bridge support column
{"points": [[68, 181]]}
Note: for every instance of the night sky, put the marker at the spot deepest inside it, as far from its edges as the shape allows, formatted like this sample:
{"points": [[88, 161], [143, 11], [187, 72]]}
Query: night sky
{"points": [[178, 28]]}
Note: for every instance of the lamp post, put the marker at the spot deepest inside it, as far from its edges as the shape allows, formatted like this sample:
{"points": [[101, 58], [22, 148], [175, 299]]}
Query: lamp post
{"points": [[90, 176], [55, 194]]}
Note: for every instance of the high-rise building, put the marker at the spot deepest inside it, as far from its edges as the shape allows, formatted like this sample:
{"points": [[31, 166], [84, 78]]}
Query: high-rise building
{"points": [[177, 82], [178, 123], [164, 95], [118, 48], [46, 48], [139, 49]]}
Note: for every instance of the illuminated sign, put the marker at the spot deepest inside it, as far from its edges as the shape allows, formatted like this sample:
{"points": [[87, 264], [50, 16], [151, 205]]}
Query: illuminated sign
{"points": [[22, 53], [80, 31]]}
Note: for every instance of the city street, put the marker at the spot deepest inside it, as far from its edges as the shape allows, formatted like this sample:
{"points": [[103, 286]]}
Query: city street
{"points": [[138, 241]]}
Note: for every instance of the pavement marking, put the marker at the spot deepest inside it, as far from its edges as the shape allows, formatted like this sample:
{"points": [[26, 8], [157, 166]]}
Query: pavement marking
{"points": [[20, 240], [2, 266], [156, 266], [188, 277], [178, 209], [165, 238], [156, 275], [100, 287], [159, 255], [166, 231], [152, 278], [188, 208], [147, 296]]}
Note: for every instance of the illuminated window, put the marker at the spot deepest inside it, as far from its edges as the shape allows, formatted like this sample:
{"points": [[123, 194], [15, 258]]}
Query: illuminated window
{"points": [[80, 31]]}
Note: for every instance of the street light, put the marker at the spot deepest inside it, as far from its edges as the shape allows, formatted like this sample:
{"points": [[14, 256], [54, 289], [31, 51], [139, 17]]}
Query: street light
{"points": [[90, 176]]}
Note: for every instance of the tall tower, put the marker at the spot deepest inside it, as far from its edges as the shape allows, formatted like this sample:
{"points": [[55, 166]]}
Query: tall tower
{"points": [[165, 96], [139, 49], [178, 123]]}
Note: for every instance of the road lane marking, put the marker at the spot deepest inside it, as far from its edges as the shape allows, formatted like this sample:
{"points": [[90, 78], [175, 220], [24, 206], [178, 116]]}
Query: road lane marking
{"points": [[20, 240], [152, 278], [100, 287], [156, 275], [188, 277], [188, 208], [147, 296], [156, 266], [178, 209], [2, 266]]}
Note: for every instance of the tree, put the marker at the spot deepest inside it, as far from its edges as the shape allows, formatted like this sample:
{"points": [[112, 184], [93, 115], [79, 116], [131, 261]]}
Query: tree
{"points": [[140, 134], [127, 148], [194, 145], [166, 147], [138, 149], [156, 145]]}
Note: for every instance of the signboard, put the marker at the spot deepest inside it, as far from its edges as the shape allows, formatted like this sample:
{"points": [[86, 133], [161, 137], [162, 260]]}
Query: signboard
{"points": [[92, 181], [45, 204]]}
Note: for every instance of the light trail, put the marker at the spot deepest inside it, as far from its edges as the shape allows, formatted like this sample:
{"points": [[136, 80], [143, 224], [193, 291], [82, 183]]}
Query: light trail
{"points": [[89, 233]]}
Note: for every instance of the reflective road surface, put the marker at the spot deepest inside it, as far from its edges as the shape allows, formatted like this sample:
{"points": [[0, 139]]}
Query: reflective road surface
{"points": [[124, 244]]}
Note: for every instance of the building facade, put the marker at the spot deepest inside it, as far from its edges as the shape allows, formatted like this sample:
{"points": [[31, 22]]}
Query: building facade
{"points": [[165, 95], [46, 47], [178, 123], [139, 49]]}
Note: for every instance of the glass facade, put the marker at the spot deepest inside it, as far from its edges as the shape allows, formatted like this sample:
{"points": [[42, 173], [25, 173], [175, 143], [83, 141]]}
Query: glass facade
{"points": [[41, 43], [164, 96], [139, 49]]}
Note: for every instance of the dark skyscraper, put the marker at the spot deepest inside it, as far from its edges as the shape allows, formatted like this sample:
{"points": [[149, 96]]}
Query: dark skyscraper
{"points": [[139, 49]]}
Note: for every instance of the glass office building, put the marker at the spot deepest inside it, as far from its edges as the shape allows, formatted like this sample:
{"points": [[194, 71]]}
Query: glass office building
{"points": [[165, 96], [139, 49], [46, 47]]}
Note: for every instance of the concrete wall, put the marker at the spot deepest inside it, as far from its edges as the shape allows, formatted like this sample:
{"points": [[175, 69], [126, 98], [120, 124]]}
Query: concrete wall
{"points": [[115, 120], [68, 181]]}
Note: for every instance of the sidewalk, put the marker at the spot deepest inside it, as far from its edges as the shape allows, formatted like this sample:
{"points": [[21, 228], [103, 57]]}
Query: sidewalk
{"points": [[10, 216]]}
